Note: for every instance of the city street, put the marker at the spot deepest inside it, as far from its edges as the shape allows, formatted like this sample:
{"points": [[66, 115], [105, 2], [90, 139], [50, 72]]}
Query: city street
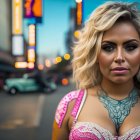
{"points": [[29, 116]]}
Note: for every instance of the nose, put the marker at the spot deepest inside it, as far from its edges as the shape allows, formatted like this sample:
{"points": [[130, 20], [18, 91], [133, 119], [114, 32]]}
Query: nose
{"points": [[119, 56]]}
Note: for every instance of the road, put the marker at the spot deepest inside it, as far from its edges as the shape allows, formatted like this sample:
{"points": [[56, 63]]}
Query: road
{"points": [[29, 116]]}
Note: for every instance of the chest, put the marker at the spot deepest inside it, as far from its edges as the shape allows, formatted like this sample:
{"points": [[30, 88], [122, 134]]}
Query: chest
{"points": [[94, 111], [92, 131]]}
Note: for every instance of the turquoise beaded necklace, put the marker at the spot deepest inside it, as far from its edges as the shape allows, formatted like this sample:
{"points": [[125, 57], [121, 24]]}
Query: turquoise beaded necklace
{"points": [[118, 109]]}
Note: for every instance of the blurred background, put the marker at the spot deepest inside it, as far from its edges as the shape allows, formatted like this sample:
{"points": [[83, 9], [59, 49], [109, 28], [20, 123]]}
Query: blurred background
{"points": [[36, 40]]}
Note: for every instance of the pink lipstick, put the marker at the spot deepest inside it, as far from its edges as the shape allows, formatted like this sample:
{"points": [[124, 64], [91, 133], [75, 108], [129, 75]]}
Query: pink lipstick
{"points": [[119, 70]]}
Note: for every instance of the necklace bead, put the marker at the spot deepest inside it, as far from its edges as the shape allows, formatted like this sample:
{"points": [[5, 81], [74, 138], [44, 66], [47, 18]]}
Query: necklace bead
{"points": [[118, 109]]}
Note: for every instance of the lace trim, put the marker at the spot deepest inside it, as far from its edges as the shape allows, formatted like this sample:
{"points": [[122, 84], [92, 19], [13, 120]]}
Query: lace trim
{"points": [[99, 132], [89, 130]]}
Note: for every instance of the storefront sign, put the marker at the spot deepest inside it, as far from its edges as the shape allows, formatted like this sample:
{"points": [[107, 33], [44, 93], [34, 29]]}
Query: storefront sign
{"points": [[33, 8], [17, 16]]}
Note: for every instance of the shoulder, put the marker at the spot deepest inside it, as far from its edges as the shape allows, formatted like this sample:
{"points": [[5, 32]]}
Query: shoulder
{"points": [[63, 106]]}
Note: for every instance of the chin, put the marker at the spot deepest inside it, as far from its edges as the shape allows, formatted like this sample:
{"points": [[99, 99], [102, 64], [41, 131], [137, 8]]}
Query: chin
{"points": [[120, 80]]}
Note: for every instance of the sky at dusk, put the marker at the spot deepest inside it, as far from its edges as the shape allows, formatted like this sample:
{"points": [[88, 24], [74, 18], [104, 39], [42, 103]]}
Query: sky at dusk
{"points": [[51, 33], [55, 25]]}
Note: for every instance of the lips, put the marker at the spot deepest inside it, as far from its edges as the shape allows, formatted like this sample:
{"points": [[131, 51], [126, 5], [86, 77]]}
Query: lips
{"points": [[119, 70]]}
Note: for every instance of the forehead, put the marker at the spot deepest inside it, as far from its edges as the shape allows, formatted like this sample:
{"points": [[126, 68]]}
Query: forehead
{"points": [[121, 30]]}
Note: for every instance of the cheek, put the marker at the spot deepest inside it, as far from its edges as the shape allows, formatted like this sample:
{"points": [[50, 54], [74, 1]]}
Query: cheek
{"points": [[104, 61], [135, 60]]}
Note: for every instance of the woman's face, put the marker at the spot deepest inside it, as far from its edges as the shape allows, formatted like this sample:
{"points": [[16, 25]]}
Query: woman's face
{"points": [[119, 58]]}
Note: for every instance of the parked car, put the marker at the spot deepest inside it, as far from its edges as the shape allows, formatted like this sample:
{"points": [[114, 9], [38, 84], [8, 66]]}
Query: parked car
{"points": [[28, 84]]}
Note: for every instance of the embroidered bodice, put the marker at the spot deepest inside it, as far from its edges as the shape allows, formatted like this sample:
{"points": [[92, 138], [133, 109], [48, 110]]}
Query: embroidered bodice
{"points": [[92, 131], [88, 130]]}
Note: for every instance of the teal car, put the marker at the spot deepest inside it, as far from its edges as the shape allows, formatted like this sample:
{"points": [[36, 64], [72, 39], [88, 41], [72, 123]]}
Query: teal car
{"points": [[27, 84]]}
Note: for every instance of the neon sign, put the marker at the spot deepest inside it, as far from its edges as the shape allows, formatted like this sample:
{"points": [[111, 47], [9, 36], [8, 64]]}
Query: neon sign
{"points": [[33, 8], [17, 16]]}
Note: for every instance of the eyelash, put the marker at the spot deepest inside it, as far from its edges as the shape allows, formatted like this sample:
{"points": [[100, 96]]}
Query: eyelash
{"points": [[131, 47], [110, 48]]}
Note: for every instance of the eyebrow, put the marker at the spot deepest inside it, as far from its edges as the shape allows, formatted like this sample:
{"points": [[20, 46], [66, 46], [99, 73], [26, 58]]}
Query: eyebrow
{"points": [[126, 42], [132, 40]]}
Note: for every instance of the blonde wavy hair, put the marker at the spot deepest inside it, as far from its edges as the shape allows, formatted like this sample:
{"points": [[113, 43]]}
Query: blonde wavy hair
{"points": [[86, 72]]}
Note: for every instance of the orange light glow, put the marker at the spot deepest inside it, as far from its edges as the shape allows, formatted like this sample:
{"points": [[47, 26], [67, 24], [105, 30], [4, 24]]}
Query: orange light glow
{"points": [[30, 65], [33, 8], [76, 34], [79, 13], [67, 56], [37, 8], [40, 66], [58, 59], [65, 81], [48, 63]]}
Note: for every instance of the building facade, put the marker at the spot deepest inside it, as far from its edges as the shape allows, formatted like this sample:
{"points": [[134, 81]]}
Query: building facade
{"points": [[6, 59]]}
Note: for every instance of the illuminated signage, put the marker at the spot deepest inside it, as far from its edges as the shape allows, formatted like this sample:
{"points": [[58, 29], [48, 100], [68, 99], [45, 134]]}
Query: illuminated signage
{"points": [[17, 16], [33, 8], [31, 55], [17, 45], [24, 65], [79, 13], [32, 43], [31, 35], [21, 64]]}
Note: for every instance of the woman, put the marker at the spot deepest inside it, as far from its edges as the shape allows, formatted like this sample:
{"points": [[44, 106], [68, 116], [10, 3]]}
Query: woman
{"points": [[106, 68]]}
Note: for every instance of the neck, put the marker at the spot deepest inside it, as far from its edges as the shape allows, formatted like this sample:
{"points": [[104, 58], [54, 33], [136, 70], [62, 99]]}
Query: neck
{"points": [[117, 91]]}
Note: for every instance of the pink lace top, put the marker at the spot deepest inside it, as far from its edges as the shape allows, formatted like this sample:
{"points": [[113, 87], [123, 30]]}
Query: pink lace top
{"points": [[88, 130]]}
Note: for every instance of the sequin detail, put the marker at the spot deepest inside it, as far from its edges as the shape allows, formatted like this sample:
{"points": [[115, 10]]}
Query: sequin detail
{"points": [[92, 131], [62, 107], [77, 103]]}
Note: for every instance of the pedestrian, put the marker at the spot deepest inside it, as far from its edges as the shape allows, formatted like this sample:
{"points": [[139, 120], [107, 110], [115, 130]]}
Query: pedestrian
{"points": [[106, 67]]}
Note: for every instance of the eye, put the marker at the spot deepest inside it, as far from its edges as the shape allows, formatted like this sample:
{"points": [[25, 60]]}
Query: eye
{"points": [[131, 47], [108, 47]]}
